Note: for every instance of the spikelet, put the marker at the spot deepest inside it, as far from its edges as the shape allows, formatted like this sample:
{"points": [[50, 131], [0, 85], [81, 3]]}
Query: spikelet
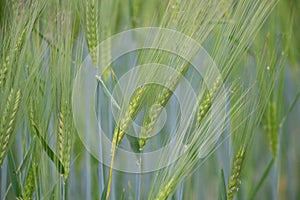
{"points": [[64, 141], [7, 122], [234, 181], [92, 30], [271, 127]]}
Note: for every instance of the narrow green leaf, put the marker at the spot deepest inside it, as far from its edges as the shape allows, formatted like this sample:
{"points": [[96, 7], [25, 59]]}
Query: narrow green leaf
{"points": [[49, 151], [123, 194], [134, 143], [26, 159], [222, 187], [291, 107], [107, 92], [14, 174], [262, 179], [104, 192], [132, 193]]}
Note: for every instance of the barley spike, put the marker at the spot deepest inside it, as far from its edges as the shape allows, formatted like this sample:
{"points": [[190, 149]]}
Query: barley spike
{"points": [[234, 181], [7, 122], [271, 127], [92, 30]]}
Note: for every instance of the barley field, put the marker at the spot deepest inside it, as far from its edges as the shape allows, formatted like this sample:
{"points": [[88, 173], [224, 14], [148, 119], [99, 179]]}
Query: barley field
{"points": [[149, 99]]}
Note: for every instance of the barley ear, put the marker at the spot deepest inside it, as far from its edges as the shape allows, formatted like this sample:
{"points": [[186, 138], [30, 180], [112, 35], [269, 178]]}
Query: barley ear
{"points": [[92, 30], [3, 71], [7, 61], [271, 127], [3, 74], [207, 102], [64, 141], [130, 114], [8, 121], [121, 129], [29, 183], [159, 104], [234, 181], [155, 111]]}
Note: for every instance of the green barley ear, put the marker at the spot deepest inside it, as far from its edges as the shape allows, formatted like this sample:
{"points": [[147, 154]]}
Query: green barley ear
{"points": [[64, 140], [130, 114], [154, 113], [29, 182], [159, 104], [271, 127], [91, 18], [121, 129], [207, 102], [8, 121], [234, 181], [273, 62], [3, 70], [9, 58]]}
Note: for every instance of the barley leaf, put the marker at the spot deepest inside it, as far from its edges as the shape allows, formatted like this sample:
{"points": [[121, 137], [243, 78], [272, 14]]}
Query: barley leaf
{"points": [[14, 174], [107, 92], [49, 151], [262, 179], [222, 186]]}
